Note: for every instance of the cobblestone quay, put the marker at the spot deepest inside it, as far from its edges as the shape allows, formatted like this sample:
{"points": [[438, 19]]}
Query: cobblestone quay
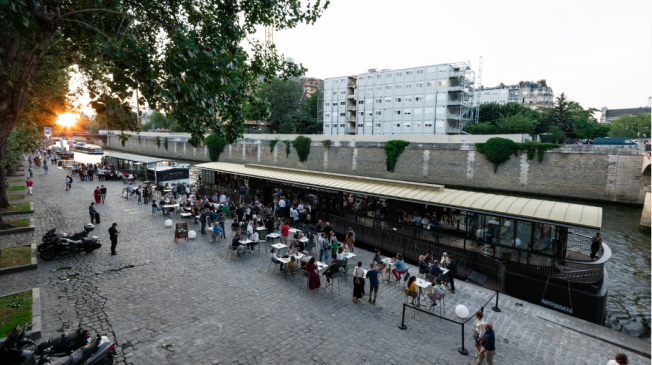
{"points": [[213, 310]]}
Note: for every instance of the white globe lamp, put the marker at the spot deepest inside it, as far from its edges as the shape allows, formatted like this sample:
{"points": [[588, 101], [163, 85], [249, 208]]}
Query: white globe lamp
{"points": [[192, 234], [462, 311], [168, 223]]}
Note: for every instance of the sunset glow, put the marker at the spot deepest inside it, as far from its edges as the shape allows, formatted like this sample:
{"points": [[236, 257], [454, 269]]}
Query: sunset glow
{"points": [[67, 119]]}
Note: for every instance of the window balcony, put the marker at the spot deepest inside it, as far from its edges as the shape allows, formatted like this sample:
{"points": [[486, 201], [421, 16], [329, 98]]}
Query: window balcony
{"points": [[351, 96], [350, 130], [352, 84], [350, 107], [350, 119]]}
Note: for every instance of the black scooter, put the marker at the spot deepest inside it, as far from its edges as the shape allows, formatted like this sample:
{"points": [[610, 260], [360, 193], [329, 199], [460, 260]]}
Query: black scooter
{"points": [[67, 342], [68, 247], [51, 237]]}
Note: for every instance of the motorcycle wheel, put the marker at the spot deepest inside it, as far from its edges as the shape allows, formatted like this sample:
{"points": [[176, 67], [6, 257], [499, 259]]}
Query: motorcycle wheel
{"points": [[89, 250], [40, 247], [106, 361], [48, 254]]}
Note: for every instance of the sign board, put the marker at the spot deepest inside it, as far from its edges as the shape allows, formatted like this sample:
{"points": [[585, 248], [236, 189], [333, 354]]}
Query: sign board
{"points": [[48, 131], [181, 231], [173, 174]]}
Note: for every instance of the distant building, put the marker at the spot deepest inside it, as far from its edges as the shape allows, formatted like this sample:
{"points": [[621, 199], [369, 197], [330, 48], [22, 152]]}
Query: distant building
{"points": [[529, 93], [311, 85], [609, 115]]}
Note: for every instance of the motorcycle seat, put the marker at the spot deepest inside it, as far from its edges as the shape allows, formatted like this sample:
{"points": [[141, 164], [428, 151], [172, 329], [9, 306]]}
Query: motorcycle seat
{"points": [[89, 350]]}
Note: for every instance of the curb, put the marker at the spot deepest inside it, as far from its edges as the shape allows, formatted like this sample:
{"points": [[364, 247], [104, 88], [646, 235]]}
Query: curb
{"points": [[35, 332], [33, 265], [30, 211], [31, 228]]}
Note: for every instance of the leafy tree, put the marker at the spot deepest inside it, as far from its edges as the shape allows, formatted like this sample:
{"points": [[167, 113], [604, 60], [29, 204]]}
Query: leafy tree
{"points": [[643, 120], [482, 128], [284, 98], [592, 129], [517, 123], [159, 120], [489, 113], [215, 146], [287, 127], [556, 135], [624, 126], [176, 127], [187, 57]]}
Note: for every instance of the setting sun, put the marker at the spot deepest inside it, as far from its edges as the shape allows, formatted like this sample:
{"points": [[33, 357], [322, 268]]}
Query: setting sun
{"points": [[67, 119]]}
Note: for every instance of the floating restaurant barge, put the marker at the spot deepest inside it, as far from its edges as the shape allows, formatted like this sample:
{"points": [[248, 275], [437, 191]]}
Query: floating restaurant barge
{"points": [[531, 249], [146, 168]]}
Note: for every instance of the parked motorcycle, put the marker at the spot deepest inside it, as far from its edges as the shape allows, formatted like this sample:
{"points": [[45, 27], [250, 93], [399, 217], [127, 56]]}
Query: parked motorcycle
{"points": [[100, 351], [68, 247], [67, 342], [51, 237]]}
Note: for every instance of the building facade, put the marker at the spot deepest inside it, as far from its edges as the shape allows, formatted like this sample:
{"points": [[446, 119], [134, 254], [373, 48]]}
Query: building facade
{"points": [[529, 93], [311, 85], [435, 99], [608, 115]]}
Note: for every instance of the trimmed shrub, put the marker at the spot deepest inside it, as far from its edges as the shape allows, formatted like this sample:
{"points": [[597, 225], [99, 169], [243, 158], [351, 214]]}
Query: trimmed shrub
{"points": [[215, 146], [393, 149], [158, 142], [326, 143], [302, 145], [498, 150], [272, 144]]}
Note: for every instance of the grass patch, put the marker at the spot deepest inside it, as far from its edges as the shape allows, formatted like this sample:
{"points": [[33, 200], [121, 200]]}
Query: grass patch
{"points": [[16, 188], [20, 223], [15, 310], [16, 207], [15, 197], [15, 256], [14, 181]]}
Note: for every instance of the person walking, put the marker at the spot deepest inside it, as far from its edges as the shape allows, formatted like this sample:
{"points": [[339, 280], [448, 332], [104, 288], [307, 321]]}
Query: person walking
{"points": [[45, 166], [350, 240], [68, 182], [113, 235], [31, 172], [452, 271], [621, 359], [202, 219], [139, 193], [372, 275], [93, 213], [487, 345], [103, 193], [29, 184], [30, 161], [146, 193], [358, 282], [97, 194], [596, 243], [478, 332]]}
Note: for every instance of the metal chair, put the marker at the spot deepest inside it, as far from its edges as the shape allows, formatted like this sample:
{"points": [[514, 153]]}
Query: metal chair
{"points": [[423, 268], [442, 304], [274, 262], [401, 276], [231, 250], [412, 294], [293, 269], [332, 284], [305, 274]]}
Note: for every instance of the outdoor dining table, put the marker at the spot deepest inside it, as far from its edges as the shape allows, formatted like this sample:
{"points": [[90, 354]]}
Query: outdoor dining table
{"points": [[349, 255], [389, 262], [170, 206], [260, 230], [422, 285], [273, 236], [186, 215], [294, 230], [321, 267], [279, 247], [285, 260]]}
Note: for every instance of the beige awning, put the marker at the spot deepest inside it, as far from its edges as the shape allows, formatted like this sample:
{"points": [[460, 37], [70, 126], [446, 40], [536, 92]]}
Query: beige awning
{"points": [[535, 209]]}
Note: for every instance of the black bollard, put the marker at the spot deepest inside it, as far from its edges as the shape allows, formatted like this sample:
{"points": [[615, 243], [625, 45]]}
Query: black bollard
{"points": [[402, 325], [496, 309], [462, 350]]}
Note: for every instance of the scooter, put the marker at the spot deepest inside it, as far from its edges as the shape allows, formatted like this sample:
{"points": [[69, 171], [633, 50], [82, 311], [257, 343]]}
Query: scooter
{"points": [[68, 247], [67, 342], [100, 351], [51, 237]]}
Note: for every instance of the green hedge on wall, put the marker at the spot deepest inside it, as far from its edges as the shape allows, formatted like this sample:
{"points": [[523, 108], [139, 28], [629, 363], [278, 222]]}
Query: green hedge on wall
{"points": [[272, 144], [215, 146], [302, 145], [393, 149], [498, 150]]}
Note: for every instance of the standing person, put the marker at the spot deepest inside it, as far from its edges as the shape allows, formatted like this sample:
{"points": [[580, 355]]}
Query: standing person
{"points": [[31, 172], [372, 275], [452, 267], [30, 161], [29, 184], [68, 182], [146, 195], [103, 193], [350, 240], [306, 224], [596, 243], [221, 221], [326, 247], [97, 194], [479, 331], [358, 282], [113, 234], [45, 166], [314, 282], [621, 359], [202, 219], [139, 193], [285, 232], [92, 212], [487, 345]]}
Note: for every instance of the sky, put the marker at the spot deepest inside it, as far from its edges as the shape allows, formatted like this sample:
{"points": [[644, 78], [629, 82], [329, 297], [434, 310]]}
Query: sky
{"points": [[597, 52]]}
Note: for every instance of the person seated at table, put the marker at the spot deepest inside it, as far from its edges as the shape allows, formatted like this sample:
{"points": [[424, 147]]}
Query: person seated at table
{"points": [[340, 254], [275, 258], [412, 286], [334, 268], [161, 203], [172, 200], [311, 267], [292, 263], [235, 243], [399, 266], [378, 260], [428, 258], [304, 260], [297, 238], [217, 231], [436, 292], [435, 270], [214, 216], [292, 250], [254, 241]]}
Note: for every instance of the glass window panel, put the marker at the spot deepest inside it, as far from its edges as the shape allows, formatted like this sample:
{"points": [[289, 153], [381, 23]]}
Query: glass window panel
{"points": [[544, 235], [523, 235], [506, 233]]}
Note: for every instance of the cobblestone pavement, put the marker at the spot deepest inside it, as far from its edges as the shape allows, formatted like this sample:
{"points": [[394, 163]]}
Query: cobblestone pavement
{"points": [[215, 310]]}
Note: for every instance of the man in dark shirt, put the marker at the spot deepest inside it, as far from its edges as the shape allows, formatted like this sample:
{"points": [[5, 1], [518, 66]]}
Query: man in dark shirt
{"points": [[221, 221], [488, 343], [328, 229], [240, 212], [372, 275], [320, 229], [333, 269], [269, 224], [435, 270], [113, 236], [452, 267]]}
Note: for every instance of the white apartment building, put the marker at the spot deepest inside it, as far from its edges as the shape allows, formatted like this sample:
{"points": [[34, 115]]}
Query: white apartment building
{"points": [[435, 99], [529, 93]]}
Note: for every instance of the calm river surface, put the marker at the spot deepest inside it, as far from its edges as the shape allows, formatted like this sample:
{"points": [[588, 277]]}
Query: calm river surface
{"points": [[628, 303]]}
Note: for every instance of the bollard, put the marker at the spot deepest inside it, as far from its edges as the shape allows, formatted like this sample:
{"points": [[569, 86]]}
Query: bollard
{"points": [[496, 309], [402, 325], [462, 350]]}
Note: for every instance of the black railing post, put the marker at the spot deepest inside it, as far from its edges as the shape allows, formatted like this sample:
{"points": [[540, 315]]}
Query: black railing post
{"points": [[461, 350], [496, 309], [402, 325]]}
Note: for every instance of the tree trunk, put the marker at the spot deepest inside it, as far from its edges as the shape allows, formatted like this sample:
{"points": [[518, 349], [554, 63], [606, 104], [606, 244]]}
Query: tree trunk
{"points": [[19, 66]]}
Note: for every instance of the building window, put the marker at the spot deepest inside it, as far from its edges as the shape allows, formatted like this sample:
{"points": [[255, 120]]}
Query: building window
{"points": [[343, 92], [368, 77], [408, 86], [407, 125], [417, 111], [327, 125], [397, 125], [328, 104], [441, 96], [341, 125], [397, 112], [388, 100], [379, 112], [379, 101], [388, 87], [360, 102], [379, 76], [408, 73], [378, 125], [486, 93], [418, 98], [429, 111], [408, 99], [430, 84], [432, 70], [369, 113], [430, 97], [442, 82], [360, 125], [418, 85], [342, 102], [388, 75], [399, 74], [419, 72], [398, 87], [397, 100], [442, 70], [361, 114], [407, 112], [379, 88], [428, 125], [342, 114], [418, 125], [327, 115], [334, 92], [342, 80], [441, 110]]}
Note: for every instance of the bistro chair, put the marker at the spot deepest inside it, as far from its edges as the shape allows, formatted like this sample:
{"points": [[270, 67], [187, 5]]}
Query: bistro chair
{"points": [[260, 243], [332, 284], [348, 269], [293, 269], [231, 250], [441, 305], [401, 276], [412, 294], [423, 268], [274, 262], [304, 274]]}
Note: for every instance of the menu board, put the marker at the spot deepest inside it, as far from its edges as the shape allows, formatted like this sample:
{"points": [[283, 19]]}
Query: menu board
{"points": [[181, 231]]}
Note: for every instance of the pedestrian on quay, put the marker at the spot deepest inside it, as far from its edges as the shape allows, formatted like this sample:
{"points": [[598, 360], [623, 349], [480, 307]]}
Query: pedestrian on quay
{"points": [[30, 161], [103, 193], [358, 282], [596, 243], [372, 275], [97, 194], [94, 214], [68, 182], [139, 193], [478, 332], [113, 234], [31, 172], [621, 359], [45, 166], [29, 184], [452, 271], [487, 345]]}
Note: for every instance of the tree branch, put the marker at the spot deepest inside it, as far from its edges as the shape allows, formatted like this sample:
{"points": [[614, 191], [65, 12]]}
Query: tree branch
{"points": [[88, 11], [88, 25]]}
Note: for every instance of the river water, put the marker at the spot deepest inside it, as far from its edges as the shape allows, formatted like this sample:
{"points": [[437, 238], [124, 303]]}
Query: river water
{"points": [[628, 301]]}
